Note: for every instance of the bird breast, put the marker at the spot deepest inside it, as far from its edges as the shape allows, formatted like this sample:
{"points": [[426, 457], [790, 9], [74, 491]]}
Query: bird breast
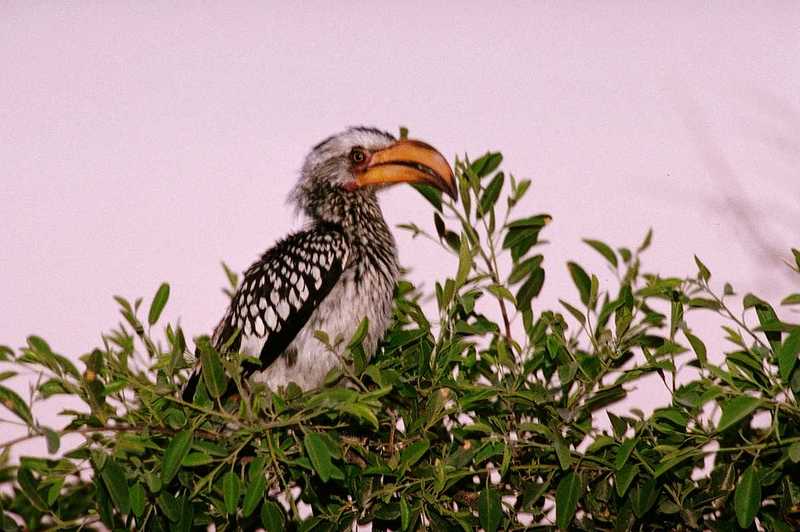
{"points": [[308, 360]]}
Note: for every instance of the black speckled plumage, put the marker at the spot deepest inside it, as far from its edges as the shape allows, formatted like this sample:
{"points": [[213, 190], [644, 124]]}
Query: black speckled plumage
{"points": [[282, 289]]}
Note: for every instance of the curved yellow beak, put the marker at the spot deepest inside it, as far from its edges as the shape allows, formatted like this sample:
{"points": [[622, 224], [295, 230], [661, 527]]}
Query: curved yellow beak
{"points": [[409, 161]]}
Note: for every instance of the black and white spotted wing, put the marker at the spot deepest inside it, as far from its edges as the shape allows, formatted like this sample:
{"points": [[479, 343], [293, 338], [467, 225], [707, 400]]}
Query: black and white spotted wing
{"points": [[278, 294]]}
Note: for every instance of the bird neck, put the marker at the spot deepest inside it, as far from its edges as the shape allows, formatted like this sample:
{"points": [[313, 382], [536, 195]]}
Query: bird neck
{"points": [[373, 252], [358, 213], [366, 229]]}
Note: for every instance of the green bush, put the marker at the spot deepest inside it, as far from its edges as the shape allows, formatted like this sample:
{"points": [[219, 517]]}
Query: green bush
{"points": [[459, 422]]}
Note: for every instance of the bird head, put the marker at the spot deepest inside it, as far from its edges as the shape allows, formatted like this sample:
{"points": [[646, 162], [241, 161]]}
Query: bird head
{"points": [[347, 168]]}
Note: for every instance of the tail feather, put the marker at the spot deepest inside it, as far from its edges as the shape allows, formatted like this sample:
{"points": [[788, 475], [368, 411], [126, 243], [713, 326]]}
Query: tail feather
{"points": [[191, 385], [190, 388]]}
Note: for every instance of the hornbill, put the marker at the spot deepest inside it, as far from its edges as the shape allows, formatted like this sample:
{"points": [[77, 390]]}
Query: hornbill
{"points": [[329, 276]]}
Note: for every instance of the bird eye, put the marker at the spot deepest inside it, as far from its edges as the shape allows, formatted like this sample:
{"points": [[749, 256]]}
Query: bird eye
{"points": [[357, 155]]}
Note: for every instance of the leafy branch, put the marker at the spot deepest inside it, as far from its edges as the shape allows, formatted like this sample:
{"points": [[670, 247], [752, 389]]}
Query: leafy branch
{"points": [[494, 415]]}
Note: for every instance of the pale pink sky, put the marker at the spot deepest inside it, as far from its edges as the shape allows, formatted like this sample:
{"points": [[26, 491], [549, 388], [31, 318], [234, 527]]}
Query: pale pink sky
{"points": [[142, 142]]}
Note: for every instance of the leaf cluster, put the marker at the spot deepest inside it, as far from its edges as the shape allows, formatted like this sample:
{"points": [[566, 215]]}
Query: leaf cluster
{"points": [[488, 412]]}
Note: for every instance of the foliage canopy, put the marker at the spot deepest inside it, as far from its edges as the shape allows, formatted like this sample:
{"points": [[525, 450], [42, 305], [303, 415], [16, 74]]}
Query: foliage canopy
{"points": [[460, 421]]}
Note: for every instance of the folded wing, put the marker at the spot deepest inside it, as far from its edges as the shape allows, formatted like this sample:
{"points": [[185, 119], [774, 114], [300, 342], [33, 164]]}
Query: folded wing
{"points": [[277, 296]]}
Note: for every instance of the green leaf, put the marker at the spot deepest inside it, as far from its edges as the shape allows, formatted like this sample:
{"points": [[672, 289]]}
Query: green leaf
{"points": [[103, 504], [521, 270], [51, 387], [434, 196], [255, 491], [175, 418], [698, 347], [464, 262], [361, 412], [530, 289], [727, 289], [777, 524], [562, 451], [174, 454], [186, 519], [196, 459], [231, 487], [752, 300], [14, 402], [490, 194], [734, 410], [618, 424], [453, 240], [577, 314], [233, 278], [770, 323], [465, 193], [320, 457], [213, 373], [138, 499], [501, 292], [644, 496], [487, 164], [566, 373], [673, 461], [794, 452], [490, 510], [53, 440], [113, 476], [67, 365], [787, 355], [567, 495], [438, 223], [534, 491], [702, 271], [272, 517], [793, 299], [360, 334], [256, 468], [412, 454], [624, 477], [6, 353], [648, 238], [28, 486], [153, 482], [159, 301], [581, 280], [405, 514], [54, 492], [603, 249], [593, 291], [519, 192], [170, 505], [704, 302], [42, 350], [523, 234], [624, 452], [747, 498]]}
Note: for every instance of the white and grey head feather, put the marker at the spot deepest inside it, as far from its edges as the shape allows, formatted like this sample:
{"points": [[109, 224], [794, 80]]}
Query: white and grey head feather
{"points": [[327, 169]]}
